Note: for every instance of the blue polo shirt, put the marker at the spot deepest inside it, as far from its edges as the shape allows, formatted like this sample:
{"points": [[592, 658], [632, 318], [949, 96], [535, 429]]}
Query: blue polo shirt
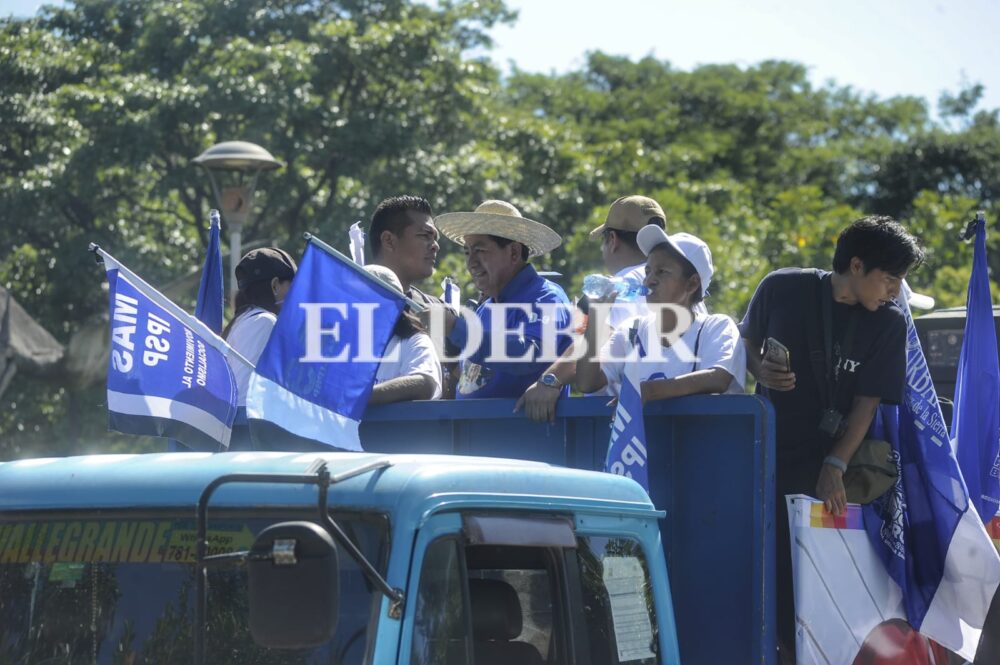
{"points": [[485, 377]]}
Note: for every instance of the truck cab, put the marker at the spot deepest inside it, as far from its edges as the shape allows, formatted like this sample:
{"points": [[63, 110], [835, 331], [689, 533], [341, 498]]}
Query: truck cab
{"points": [[431, 559]]}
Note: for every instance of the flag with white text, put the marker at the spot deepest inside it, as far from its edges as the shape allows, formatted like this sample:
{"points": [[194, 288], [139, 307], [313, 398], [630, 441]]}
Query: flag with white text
{"points": [[168, 375], [929, 539], [627, 448], [211, 293]]}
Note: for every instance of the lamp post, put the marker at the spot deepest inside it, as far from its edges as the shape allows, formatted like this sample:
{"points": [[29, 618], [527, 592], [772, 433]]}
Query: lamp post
{"points": [[233, 168]]}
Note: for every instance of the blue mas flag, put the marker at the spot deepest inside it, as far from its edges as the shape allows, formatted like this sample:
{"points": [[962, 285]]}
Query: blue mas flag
{"points": [[627, 448], [211, 294], [168, 375], [975, 425], [314, 376], [933, 545]]}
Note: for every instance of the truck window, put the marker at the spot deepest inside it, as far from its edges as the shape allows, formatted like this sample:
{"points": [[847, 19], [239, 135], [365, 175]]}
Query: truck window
{"points": [[617, 601], [506, 597], [441, 623], [100, 590]]}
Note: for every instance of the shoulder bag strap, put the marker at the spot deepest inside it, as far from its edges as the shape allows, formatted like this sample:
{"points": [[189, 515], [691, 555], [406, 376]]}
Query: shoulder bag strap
{"points": [[697, 343], [813, 300]]}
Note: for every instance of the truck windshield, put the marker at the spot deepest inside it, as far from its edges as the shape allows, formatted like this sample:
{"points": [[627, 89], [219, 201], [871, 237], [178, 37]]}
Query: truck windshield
{"points": [[121, 590]]}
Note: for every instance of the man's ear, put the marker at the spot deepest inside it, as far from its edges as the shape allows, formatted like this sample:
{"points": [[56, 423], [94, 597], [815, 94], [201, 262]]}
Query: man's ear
{"points": [[274, 285], [612, 240], [514, 251], [388, 239], [857, 266]]}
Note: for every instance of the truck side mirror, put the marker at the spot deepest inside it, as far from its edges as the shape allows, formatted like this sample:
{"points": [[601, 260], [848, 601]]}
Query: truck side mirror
{"points": [[293, 585]]}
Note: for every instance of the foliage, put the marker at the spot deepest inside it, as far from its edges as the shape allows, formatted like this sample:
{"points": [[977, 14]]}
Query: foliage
{"points": [[103, 103]]}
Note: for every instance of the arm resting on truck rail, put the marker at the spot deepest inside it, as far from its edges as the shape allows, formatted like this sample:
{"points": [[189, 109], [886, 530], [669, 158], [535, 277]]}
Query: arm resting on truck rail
{"points": [[715, 380], [403, 388]]}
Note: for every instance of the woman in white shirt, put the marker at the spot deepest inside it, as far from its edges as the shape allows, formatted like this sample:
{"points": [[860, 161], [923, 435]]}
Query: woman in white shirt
{"points": [[263, 278], [674, 351], [410, 368]]}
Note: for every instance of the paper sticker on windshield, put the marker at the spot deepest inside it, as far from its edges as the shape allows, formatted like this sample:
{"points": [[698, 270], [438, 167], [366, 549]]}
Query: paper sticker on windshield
{"points": [[114, 541], [625, 581]]}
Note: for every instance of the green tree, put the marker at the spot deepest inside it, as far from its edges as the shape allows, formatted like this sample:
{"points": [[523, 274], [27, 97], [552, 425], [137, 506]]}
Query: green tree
{"points": [[105, 102]]}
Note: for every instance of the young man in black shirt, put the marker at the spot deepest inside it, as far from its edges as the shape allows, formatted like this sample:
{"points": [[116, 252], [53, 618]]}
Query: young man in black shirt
{"points": [[867, 365]]}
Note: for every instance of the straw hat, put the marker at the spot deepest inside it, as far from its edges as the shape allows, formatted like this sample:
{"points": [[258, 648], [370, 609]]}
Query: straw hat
{"points": [[501, 219]]}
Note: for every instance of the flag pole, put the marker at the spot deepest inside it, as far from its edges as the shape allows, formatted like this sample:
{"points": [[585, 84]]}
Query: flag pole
{"points": [[414, 305], [166, 303]]}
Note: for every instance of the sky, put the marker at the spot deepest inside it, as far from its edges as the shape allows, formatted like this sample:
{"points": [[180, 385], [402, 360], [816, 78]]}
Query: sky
{"points": [[885, 47]]}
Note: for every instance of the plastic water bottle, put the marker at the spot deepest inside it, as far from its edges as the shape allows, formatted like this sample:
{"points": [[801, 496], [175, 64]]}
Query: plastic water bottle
{"points": [[602, 286]]}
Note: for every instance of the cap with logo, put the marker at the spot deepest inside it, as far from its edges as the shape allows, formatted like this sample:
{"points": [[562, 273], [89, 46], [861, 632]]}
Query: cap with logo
{"points": [[692, 248], [630, 213]]}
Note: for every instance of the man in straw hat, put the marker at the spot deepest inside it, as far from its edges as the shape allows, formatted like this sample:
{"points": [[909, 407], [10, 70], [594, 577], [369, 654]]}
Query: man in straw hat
{"points": [[498, 243], [622, 258]]}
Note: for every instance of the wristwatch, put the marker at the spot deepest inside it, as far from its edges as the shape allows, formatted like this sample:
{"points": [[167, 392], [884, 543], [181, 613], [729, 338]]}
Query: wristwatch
{"points": [[551, 380]]}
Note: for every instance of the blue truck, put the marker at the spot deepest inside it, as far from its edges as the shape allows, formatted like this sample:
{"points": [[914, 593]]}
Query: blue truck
{"points": [[464, 534]]}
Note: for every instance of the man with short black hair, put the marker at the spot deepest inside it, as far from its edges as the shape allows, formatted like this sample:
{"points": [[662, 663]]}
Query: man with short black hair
{"points": [[402, 237], [822, 417]]}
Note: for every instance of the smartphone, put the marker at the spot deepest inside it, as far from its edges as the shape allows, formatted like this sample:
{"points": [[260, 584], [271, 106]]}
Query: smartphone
{"points": [[777, 352]]}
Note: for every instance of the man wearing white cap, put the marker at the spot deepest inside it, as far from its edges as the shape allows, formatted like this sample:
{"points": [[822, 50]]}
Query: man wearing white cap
{"points": [[679, 351], [498, 242]]}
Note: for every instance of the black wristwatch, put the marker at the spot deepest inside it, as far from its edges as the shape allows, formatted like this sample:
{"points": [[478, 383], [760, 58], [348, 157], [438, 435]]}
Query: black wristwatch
{"points": [[551, 380]]}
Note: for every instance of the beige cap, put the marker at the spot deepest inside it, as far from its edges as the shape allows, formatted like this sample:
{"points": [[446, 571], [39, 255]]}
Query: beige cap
{"points": [[630, 213]]}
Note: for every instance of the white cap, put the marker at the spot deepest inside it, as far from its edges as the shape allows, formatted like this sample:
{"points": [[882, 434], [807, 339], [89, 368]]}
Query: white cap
{"points": [[690, 247], [386, 275]]}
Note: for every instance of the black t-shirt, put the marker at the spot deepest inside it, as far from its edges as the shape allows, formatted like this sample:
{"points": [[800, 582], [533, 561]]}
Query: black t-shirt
{"points": [[874, 366]]}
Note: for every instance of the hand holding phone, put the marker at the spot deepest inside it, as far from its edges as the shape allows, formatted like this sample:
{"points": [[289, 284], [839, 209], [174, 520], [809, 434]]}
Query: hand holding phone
{"points": [[777, 353]]}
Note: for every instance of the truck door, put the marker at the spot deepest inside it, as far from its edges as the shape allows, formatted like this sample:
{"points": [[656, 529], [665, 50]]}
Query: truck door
{"points": [[493, 589]]}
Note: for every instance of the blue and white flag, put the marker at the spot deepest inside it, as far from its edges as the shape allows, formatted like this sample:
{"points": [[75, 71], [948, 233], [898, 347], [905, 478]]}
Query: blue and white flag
{"points": [[926, 533], [315, 375], [168, 375], [450, 294], [211, 293], [211, 296], [975, 424], [627, 448]]}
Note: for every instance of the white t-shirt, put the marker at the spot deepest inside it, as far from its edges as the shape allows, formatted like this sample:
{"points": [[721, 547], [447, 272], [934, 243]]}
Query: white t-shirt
{"points": [[719, 345], [248, 335], [412, 355]]}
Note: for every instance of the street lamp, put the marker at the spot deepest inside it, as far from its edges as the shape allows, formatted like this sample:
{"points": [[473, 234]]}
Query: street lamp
{"points": [[233, 168]]}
